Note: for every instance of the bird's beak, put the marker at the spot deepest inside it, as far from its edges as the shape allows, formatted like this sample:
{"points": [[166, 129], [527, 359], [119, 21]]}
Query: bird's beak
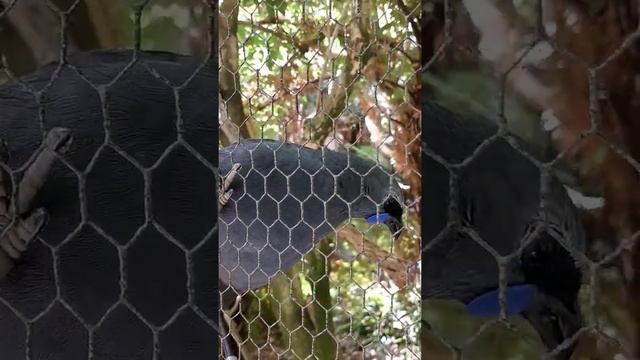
{"points": [[395, 226], [553, 321]]}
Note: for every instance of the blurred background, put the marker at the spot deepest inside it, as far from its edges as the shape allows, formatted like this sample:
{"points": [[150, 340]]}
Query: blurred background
{"points": [[320, 73], [552, 69], [31, 30], [343, 75]]}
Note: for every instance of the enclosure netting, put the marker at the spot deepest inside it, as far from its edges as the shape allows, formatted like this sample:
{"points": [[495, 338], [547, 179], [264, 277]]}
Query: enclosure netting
{"points": [[340, 75], [153, 319], [570, 61]]}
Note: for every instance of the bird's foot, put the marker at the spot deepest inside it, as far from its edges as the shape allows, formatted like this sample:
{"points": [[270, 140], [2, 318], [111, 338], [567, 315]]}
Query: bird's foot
{"points": [[57, 141], [224, 194], [17, 237], [17, 228]]}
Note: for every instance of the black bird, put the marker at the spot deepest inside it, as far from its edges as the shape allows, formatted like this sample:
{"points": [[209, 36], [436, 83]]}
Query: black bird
{"points": [[498, 195], [288, 197], [277, 199], [116, 263]]}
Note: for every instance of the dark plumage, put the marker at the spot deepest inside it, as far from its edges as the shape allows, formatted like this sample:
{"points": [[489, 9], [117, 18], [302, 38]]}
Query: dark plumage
{"points": [[277, 211], [499, 196], [89, 258]]}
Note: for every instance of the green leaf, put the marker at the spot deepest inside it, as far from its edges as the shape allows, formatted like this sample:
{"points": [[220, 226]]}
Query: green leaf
{"points": [[371, 153]]}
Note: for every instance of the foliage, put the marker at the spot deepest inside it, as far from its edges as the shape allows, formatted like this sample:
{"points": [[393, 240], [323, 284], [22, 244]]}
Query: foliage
{"points": [[537, 56], [302, 65]]}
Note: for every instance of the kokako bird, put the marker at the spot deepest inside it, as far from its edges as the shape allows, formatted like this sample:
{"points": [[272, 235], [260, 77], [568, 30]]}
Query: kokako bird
{"points": [[497, 196]]}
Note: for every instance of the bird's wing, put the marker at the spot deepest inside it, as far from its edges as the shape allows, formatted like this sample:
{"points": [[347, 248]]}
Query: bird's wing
{"points": [[498, 195], [276, 212]]}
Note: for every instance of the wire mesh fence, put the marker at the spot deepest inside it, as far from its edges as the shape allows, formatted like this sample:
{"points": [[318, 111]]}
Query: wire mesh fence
{"points": [[319, 107], [118, 149], [556, 83]]}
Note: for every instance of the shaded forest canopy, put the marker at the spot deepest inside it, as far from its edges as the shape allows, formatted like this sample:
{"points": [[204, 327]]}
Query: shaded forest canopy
{"points": [[340, 75], [563, 76]]}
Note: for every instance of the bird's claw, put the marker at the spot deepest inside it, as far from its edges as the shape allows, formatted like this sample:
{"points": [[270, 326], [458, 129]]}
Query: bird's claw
{"points": [[58, 140], [224, 194], [19, 229], [17, 238]]}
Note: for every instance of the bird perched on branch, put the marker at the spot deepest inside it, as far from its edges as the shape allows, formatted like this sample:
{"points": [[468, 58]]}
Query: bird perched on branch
{"points": [[488, 209], [276, 200], [129, 246], [284, 198]]}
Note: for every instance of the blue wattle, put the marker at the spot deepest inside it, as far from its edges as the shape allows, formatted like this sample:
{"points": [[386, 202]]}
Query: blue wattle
{"points": [[518, 298], [378, 218]]}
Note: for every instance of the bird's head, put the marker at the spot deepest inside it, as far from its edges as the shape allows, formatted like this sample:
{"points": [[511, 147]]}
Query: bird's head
{"points": [[389, 215], [553, 309], [554, 320], [381, 200], [547, 296]]}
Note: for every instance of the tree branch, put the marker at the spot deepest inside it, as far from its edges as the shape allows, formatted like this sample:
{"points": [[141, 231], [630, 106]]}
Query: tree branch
{"points": [[35, 21], [410, 18], [400, 271], [229, 75]]}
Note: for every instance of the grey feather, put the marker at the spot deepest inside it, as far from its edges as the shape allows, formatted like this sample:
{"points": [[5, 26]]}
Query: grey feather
{"points": [[286, 199], [498, 195], [143, 118]]}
